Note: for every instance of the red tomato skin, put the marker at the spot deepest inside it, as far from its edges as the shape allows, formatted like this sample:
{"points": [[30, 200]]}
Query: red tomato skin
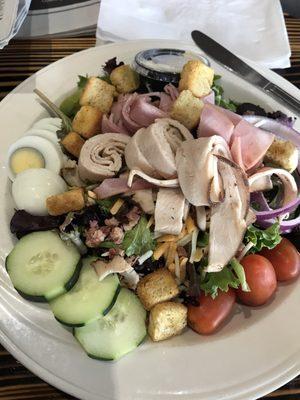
{"points": [[261, 279], [207, 318], [285, 260]]}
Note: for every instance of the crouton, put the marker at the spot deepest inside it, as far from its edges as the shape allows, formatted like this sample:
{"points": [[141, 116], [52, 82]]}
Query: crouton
{"points": [[98, 93], [167, 320], [157, 287], [187, 109], [73, 142], [196, 77], [283, 153], [73, 200], [125, 79], [87, 121]]}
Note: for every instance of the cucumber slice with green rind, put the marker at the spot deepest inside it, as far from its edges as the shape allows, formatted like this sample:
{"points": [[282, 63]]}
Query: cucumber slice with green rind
{"points": [[117, 333], [41, 266], [88, 299]]}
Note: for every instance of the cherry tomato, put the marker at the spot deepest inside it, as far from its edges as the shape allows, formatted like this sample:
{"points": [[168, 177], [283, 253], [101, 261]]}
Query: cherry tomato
{"points": [[206, 318], [261, 279], [285, 260]]}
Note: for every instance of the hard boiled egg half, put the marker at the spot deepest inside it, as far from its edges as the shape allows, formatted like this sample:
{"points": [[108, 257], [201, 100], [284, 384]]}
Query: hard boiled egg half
{"points": [[33, 152], [31, 188]]}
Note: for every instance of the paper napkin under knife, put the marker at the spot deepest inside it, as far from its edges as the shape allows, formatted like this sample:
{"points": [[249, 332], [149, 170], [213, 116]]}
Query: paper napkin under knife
{"points": [[251, 28]]}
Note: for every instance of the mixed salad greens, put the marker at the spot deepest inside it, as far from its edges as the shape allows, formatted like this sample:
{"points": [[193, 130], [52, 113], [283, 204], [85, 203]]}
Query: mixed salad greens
{"points": [[146, 211]]}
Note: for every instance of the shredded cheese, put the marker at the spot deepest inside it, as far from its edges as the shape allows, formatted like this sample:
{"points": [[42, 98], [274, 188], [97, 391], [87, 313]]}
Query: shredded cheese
{"points": [[145, 257], [185, 240], [171, 253], [116, 206], [198, 254], [160, 250], [167, 238], [190, 224], [177, 266], [182, 266], [150, 222], [194, 244]]}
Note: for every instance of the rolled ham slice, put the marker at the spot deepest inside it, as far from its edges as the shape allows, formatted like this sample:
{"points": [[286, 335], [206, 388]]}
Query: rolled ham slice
{"points": [[102, 156], [253, 144], [214, 122], [108, 125]]}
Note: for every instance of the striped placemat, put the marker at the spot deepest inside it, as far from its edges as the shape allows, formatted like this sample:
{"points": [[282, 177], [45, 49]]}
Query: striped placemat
{"points": [[19, 60]]}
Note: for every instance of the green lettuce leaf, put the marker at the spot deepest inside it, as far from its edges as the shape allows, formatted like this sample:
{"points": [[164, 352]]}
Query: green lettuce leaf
{"points": [[106, 204], [231, 276], [82, 81], [139, 240], [261, 238], [223, 280], [219, 96]]}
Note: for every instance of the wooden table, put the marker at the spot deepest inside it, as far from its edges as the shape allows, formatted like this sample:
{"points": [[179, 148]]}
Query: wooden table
{"points": [[18, 61]]}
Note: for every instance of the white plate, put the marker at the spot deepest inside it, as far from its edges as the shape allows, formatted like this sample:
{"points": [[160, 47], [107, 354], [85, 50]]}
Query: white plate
{"points": [[256, 352]]}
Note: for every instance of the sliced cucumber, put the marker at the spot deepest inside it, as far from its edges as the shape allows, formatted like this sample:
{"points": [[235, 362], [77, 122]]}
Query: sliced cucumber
{"points": [[88, 299], [116, 334], [41, 266]]}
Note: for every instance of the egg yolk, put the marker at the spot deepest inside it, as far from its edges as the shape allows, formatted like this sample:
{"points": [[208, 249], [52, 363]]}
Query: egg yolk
{"points": [[26, 158]]}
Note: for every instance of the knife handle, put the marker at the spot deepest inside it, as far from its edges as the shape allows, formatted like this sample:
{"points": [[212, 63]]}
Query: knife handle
{"points": [[284, 97]]}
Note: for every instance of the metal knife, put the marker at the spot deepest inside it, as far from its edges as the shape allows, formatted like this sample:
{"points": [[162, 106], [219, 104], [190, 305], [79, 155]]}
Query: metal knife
{"points": [[237, 66]]}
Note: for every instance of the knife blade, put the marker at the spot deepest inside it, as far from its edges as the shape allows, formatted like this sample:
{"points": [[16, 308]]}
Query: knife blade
{"points": [[237, 66]]}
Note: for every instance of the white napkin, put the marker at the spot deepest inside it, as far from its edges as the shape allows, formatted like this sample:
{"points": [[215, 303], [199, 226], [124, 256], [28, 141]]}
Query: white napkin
{"points": [[251, 28]]}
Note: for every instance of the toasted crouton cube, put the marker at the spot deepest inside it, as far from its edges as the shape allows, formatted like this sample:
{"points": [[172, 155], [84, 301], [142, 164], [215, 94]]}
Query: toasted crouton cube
{"points": [[196, 77], [73, 143], [125, 79], [73, 200], [187, 109], [167, 320], [157, 287], [98, 93], [87, 121], [284, 154]]}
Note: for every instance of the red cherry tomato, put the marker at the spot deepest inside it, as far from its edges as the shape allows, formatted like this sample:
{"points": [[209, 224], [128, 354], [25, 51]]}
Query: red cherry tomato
{"points": [[261, 279], [206, 318], [285, 260]]}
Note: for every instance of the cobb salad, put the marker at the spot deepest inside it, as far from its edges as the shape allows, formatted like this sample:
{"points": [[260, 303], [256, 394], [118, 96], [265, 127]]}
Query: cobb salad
{"points": [[142, 212]]}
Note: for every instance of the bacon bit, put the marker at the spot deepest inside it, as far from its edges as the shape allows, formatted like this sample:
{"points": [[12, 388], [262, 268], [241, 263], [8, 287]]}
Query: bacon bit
{"points": [[181, 251], [133, 217], [115, 252], [95, 235], [111, 221], [116, 235]]}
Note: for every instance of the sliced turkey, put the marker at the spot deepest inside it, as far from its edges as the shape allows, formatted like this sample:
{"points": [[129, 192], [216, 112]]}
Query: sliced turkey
{"points": [[166, 183], [144, 198], [197, 169], [227, 222], [134, 157], [289, 183], [169, 210], [102, 156]]}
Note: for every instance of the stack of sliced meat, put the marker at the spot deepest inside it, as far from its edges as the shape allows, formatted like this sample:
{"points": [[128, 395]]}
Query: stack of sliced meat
{"points": [[248, 144]]}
